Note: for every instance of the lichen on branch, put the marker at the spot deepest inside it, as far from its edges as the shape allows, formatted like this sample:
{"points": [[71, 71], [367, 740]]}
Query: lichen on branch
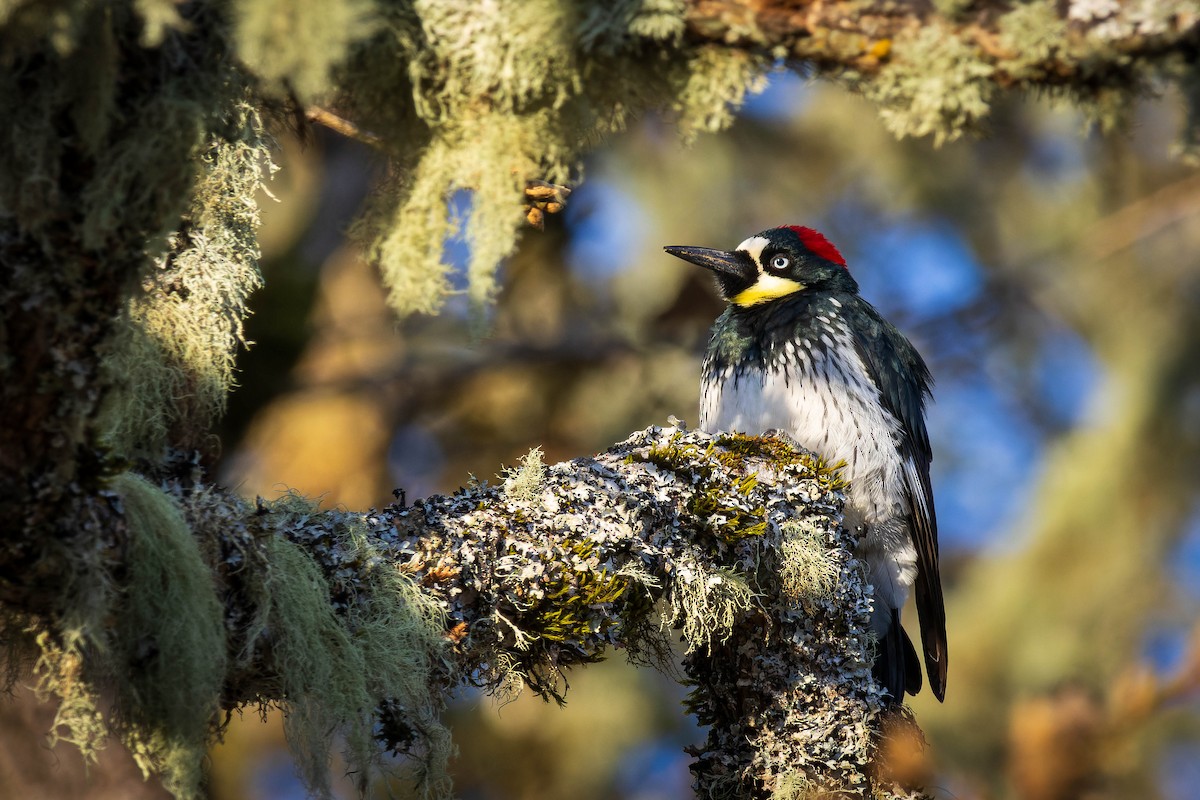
{"points": [[934, 69], [360, 625]]}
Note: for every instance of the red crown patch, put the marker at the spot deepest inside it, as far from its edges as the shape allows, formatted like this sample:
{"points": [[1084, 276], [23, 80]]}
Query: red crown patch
{"points": [[818, 244]]}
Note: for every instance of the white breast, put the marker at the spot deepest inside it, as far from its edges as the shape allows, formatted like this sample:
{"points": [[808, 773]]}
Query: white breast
{"points": [[828, 406]]}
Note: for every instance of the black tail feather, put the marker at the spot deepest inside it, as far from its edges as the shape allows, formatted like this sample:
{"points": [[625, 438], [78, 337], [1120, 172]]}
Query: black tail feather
{"points": [[897, 667]]}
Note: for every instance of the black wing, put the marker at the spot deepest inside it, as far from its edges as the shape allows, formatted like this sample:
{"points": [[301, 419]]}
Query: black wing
{"points": [[904, 381]]}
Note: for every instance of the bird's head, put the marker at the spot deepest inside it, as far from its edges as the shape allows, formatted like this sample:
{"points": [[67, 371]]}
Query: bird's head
{"points": [[774, 264]]}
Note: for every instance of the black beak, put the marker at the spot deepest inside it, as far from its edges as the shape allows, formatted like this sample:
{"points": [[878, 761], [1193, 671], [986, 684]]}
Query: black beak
{"points": [[731, 268]]}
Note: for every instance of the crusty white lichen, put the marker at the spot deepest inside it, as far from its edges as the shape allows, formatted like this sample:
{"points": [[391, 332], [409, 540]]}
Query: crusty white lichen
{"points": [[534, 588]]}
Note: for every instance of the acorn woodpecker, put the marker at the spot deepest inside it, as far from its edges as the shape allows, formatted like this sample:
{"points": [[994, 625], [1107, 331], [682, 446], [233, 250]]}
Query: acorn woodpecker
{"points": [[798, 350]]}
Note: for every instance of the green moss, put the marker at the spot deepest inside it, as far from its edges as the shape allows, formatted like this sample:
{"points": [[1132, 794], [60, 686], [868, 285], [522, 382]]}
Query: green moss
{"points": [[737, 447], [683, 460], [707, 501], [566, 613], [728, 523], [733, 452]]}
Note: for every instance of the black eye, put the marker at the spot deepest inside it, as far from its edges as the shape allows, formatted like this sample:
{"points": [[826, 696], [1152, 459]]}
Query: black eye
{"points": [[780, 263]]}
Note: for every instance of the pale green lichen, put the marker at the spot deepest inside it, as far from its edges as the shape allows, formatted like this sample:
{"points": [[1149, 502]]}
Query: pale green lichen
{"points": [[159, 17], [125, 169], [295, 45], [661, 20], [171, 364], [712, 73], [509, 92], [167, 648], [64, 26], [487, 156], [706, 602], [337, 663], [524, 483], [935, 85], [59, 672], [792, 786], [338, 669], [808, 568], [157, 638], [1033, 32]]}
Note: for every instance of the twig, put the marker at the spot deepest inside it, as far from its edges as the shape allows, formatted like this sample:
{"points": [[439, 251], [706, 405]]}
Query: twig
{"points": [[1145, 217], [343, 126]]}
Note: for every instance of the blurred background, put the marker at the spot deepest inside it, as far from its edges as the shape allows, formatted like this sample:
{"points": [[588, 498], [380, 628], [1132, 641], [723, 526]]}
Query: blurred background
{"points": [[1049, 275]]}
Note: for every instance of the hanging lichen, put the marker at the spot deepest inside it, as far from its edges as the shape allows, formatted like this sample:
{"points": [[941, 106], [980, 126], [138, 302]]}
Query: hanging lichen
{"points": [[172, 360], [508, 92], [295, 45], [336, 670], [168, 644], [155, 636]]}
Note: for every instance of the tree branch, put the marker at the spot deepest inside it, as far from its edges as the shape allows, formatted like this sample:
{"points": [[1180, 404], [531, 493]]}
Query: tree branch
{"points": [[1080, 43], [733, 541]]}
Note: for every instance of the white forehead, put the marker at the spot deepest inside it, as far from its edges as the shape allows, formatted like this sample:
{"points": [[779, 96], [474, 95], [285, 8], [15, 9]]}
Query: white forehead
{"points": [[754, 246]]}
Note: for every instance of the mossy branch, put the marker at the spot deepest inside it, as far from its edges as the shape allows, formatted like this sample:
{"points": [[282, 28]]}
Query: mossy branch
{"points": [[360, 624]]}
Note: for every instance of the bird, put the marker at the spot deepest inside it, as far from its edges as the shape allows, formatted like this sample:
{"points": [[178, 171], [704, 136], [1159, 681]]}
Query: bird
{"points": [[798, 350]]}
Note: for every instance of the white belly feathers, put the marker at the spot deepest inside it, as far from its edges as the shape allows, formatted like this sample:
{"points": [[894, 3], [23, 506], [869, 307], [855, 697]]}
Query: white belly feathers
{"points": [[832, 410], [826, 406]]}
